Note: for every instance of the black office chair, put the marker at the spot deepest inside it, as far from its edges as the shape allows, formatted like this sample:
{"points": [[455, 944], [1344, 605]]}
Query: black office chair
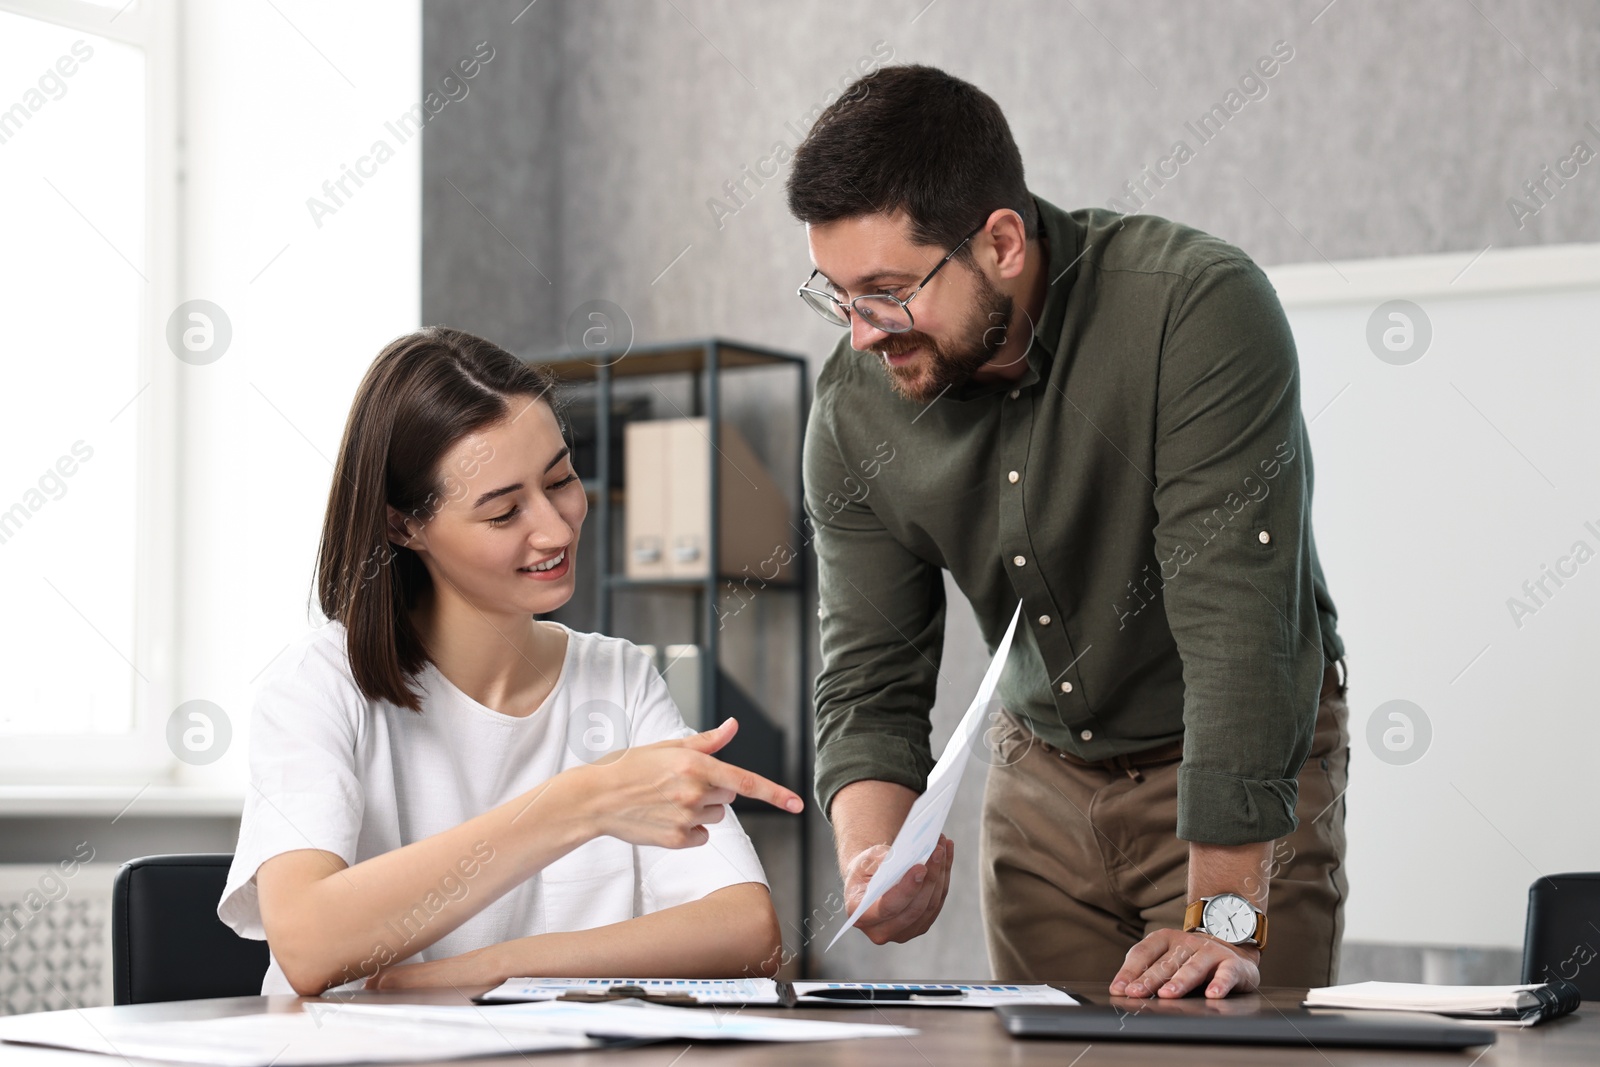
{"points": [[1563, 936], [166, 940]]}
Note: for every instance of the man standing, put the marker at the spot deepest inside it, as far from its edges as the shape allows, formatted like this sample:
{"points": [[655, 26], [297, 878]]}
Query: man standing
{"points": [[1098, 415]]}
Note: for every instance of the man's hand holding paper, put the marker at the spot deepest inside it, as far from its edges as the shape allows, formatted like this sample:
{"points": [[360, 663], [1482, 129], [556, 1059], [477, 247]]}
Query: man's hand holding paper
{"points": [[906, 882]]}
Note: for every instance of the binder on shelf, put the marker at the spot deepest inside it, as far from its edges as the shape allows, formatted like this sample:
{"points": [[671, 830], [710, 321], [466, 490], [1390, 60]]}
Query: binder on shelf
{"points": [[668, 514]]}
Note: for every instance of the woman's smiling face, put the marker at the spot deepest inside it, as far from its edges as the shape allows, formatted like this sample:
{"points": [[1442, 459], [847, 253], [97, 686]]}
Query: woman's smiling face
{"points": [[506, 534]]}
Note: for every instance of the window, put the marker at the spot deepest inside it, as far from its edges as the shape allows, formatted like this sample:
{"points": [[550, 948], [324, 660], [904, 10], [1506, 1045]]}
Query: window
{"points": [[87, 128]]}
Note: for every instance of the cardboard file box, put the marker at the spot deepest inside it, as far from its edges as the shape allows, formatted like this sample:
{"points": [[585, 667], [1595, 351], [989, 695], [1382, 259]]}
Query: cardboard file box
{"points": [[667, 512]]}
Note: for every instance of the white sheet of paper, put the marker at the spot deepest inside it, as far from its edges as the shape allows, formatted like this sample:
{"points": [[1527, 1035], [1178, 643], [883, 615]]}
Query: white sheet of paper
{"points": [[977, 995], [728, 991], [925, 821], [288, 1039], [637, 1019]]}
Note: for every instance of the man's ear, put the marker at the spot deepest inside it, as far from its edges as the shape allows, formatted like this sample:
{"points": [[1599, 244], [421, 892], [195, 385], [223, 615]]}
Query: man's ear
{"points": [[1009, 237], [402, 531]]}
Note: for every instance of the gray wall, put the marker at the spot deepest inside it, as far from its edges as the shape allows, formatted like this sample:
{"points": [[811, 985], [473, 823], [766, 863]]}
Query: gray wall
{"points": [[602, 132], [491, 179]]}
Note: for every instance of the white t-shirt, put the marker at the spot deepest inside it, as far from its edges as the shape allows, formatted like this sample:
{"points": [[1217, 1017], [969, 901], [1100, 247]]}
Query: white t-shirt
{"points": [[332, 770]]}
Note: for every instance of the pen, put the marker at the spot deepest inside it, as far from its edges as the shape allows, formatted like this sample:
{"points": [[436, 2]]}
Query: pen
{"points": [[681, 1000], [883, 994]]}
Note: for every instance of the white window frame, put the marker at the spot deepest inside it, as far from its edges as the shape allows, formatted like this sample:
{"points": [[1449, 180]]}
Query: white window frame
{"points": [[141, 757]]}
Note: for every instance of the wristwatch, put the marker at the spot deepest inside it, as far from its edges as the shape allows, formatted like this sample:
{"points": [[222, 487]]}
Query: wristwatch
{"points": [[1227, 917]]}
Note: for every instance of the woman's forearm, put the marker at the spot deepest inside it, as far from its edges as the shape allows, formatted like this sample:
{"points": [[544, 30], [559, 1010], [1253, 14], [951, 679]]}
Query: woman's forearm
{"points": [[728, 933], [731, 933], [329, 924]]}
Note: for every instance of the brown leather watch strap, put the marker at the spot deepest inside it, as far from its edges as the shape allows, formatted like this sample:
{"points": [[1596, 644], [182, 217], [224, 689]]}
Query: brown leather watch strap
{"points": [[1194, 914]]}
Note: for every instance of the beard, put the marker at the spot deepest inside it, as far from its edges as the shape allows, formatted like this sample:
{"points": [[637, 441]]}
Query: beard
{"points": [[945, 365]]}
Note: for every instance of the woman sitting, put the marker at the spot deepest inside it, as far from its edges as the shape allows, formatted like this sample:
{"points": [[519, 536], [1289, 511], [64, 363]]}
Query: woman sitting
{"points": [[446, 790]]}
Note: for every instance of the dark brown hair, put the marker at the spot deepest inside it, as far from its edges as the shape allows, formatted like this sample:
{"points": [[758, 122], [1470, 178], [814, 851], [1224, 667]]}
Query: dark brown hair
{"points": [[911, 138], [423, 393]]}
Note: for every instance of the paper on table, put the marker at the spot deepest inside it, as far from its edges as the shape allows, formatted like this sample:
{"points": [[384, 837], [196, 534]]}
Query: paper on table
{"points": [[287, 1039], [925, 821], [975, 995], [638, 1019], [727, 991]]}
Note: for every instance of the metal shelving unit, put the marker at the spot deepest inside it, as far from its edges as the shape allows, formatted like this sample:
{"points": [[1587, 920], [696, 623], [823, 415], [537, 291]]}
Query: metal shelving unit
{"points": [[704, 361]]}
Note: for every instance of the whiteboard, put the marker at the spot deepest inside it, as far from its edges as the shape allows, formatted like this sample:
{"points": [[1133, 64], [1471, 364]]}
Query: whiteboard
{"points": [[1443, 484]]}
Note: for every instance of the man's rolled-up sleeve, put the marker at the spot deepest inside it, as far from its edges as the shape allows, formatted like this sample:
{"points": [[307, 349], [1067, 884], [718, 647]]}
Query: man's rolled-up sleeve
{"points": [[1233, 538], [881, 621]]}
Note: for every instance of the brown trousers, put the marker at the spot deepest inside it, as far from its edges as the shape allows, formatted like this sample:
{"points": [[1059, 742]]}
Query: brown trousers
{"points": [[1081, 860]]}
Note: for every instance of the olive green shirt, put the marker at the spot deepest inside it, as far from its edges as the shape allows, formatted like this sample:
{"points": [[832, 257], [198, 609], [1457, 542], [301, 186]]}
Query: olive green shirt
{"points": [[1145, 491]]}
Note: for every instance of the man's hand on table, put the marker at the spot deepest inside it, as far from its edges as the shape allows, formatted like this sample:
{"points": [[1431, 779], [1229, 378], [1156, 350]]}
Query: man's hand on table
{"points": [[1171, 963]]}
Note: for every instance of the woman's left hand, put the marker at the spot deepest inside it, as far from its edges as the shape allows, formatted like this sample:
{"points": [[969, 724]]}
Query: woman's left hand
{"points": [[480, 967]]}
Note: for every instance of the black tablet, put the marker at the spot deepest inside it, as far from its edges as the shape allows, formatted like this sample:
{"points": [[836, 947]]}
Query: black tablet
{"points": [[1269, 1026]]}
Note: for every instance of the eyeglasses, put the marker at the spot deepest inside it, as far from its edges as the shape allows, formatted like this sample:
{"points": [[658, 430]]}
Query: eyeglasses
{"points": [[878, 310]]}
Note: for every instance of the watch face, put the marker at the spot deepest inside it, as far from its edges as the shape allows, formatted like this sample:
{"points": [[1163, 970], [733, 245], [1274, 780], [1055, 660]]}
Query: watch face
{"points": [[1230, 917]]}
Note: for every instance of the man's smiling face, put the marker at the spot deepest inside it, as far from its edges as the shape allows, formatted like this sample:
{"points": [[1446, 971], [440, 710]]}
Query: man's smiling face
{"points": [[959, 318]]}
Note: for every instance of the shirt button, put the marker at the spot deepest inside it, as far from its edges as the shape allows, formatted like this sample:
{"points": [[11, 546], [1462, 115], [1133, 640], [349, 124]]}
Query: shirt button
{"points": [[1013, 476], [1066, 687], [1020, 561], [1015, 393], [1044, 620], [1087, 735], [1264, 537]]}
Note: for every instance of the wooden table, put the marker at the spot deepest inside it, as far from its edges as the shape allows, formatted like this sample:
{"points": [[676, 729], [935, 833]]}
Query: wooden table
{"points": [[948, 1036]]}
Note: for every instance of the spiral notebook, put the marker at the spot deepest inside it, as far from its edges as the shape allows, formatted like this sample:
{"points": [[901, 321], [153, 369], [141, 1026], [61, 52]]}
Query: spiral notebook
{"points": [[1515, 1005]]}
